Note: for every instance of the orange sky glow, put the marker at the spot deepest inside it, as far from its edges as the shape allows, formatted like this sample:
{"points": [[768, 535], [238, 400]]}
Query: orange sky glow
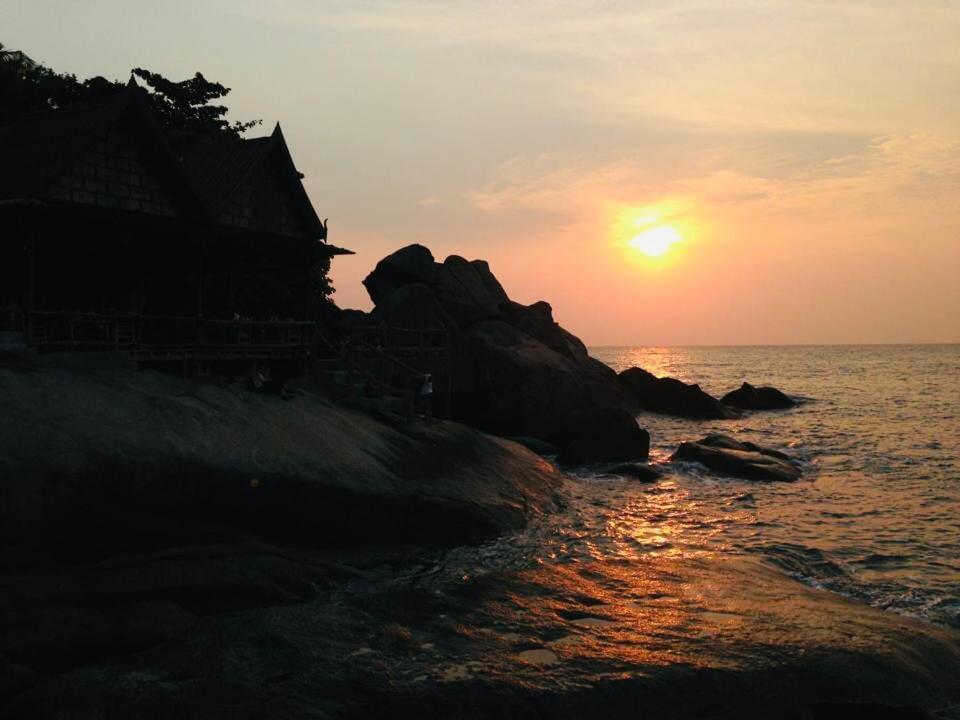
{"points": [[798, 163]]}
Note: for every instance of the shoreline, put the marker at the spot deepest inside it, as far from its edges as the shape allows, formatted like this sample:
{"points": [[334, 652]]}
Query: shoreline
{"points": [[227, 619]]}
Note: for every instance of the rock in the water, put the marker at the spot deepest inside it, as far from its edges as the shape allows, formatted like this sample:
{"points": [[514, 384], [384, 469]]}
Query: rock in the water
{"points": [[508, 382], [412, 264], [634, 471], [747, 460], [540, 447], [748, 397], [602, 435], [672, 397]]}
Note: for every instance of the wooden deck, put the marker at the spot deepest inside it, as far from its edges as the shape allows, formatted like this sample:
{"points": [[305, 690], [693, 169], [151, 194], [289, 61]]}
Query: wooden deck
{"points": [[167, 337]]}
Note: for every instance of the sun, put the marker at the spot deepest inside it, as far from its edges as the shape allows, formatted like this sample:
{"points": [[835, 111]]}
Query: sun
{"points": [[656, 241]]}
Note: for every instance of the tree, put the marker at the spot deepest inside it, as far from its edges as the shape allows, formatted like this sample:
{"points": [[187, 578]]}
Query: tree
{"points": [[183, 107]]}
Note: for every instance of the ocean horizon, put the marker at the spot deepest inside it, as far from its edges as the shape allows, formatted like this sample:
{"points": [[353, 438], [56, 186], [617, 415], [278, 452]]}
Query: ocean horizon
{"points": [[874, 516]]}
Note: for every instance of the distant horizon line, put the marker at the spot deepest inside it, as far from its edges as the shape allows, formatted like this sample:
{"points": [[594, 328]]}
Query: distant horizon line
{"points": [[747, 345]]}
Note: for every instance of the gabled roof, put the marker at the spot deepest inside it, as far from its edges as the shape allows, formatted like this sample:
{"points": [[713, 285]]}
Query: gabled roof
{"points": [[43, 145], [37, 149], [217, 171]]}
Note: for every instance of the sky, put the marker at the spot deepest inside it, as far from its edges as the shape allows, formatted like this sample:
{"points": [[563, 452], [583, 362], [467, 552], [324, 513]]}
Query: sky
{"points": [[799, 160]]}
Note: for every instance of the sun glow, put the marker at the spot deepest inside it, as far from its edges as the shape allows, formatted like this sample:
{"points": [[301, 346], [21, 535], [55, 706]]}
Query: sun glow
{"points": [[656, 241]]}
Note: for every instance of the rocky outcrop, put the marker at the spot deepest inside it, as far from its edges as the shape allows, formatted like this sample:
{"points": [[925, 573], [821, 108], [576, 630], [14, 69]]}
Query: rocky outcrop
{"points": [[672, 397], [516, 372], [412, 264], [91, 463], [633, 471], [601, 435], [678, 638], [748, 397], [727, 456]]}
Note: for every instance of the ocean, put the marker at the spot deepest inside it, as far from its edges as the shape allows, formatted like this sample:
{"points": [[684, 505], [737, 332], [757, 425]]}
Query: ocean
{"points": [[876, 516]]}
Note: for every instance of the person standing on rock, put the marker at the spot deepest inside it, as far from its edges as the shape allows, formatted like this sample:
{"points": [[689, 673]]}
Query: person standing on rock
{"points": [[426, 396]]}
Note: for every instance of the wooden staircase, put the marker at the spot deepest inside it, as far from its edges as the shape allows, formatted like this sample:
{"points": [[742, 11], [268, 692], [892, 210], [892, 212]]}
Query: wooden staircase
{"points": [[372, 376]]}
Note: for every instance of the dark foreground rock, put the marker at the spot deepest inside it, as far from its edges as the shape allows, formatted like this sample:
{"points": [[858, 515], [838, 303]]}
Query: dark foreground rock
{"points": [[748, 397], [747, 460], [91, 463], [633, 471], [516, 371], [672, 397], [601, 435], [718, 638]]}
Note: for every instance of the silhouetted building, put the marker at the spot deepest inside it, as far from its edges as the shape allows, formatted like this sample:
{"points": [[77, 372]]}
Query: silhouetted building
{"points": [[110, 236]]}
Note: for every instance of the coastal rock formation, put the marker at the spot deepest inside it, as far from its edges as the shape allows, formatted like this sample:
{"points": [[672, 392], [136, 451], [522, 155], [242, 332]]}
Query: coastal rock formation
{"points": [[412, 264], [672, 397], [748, 397], [91, 462], [516, 371], [601, 435], [678, 638], [633, 471], [747, 460]]}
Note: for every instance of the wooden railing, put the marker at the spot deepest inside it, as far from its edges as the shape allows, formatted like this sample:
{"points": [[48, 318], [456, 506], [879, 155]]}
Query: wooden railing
{"points": [[394, 360], [54, 330]]}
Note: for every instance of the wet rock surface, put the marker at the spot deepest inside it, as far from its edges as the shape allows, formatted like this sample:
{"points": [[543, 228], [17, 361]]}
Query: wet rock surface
{"points": [[727, 456], [672, 397], [722, 638], [633, 471], [748, 397], [601, 435]]}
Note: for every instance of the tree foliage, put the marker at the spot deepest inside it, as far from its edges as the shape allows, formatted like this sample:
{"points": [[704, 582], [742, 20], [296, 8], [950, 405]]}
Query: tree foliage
{"points": [[186, 108]]}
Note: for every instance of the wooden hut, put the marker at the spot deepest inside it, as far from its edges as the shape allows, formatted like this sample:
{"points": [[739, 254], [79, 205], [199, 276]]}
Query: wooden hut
{"points": [[112, 238]]}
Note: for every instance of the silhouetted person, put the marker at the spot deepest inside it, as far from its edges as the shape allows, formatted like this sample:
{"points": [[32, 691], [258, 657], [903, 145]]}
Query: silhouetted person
{"points": [[426, 396]]}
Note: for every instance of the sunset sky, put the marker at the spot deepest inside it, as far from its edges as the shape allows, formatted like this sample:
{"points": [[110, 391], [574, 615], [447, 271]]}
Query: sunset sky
{"points": [[799, 162]]}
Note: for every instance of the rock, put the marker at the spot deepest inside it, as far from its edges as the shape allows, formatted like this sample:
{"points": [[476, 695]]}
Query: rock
{"points": [[683, 638], [515, 371], [411, 306], [127, 459], [509, 383], [748, 397], [601, 435], [149, 622], [412, 264], [540, 447], [672, 397], [468, 290], [634, 471], [14, 679], [740, 459]]}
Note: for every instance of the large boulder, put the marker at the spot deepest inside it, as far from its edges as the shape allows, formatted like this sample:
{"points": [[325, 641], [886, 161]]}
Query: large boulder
{"points": [[412, 264], [411, 306], [727, 456], [748, 397], [138, 459], [672, 397], [514, 370], [509, 383], [468, 290], [603, 434]]}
